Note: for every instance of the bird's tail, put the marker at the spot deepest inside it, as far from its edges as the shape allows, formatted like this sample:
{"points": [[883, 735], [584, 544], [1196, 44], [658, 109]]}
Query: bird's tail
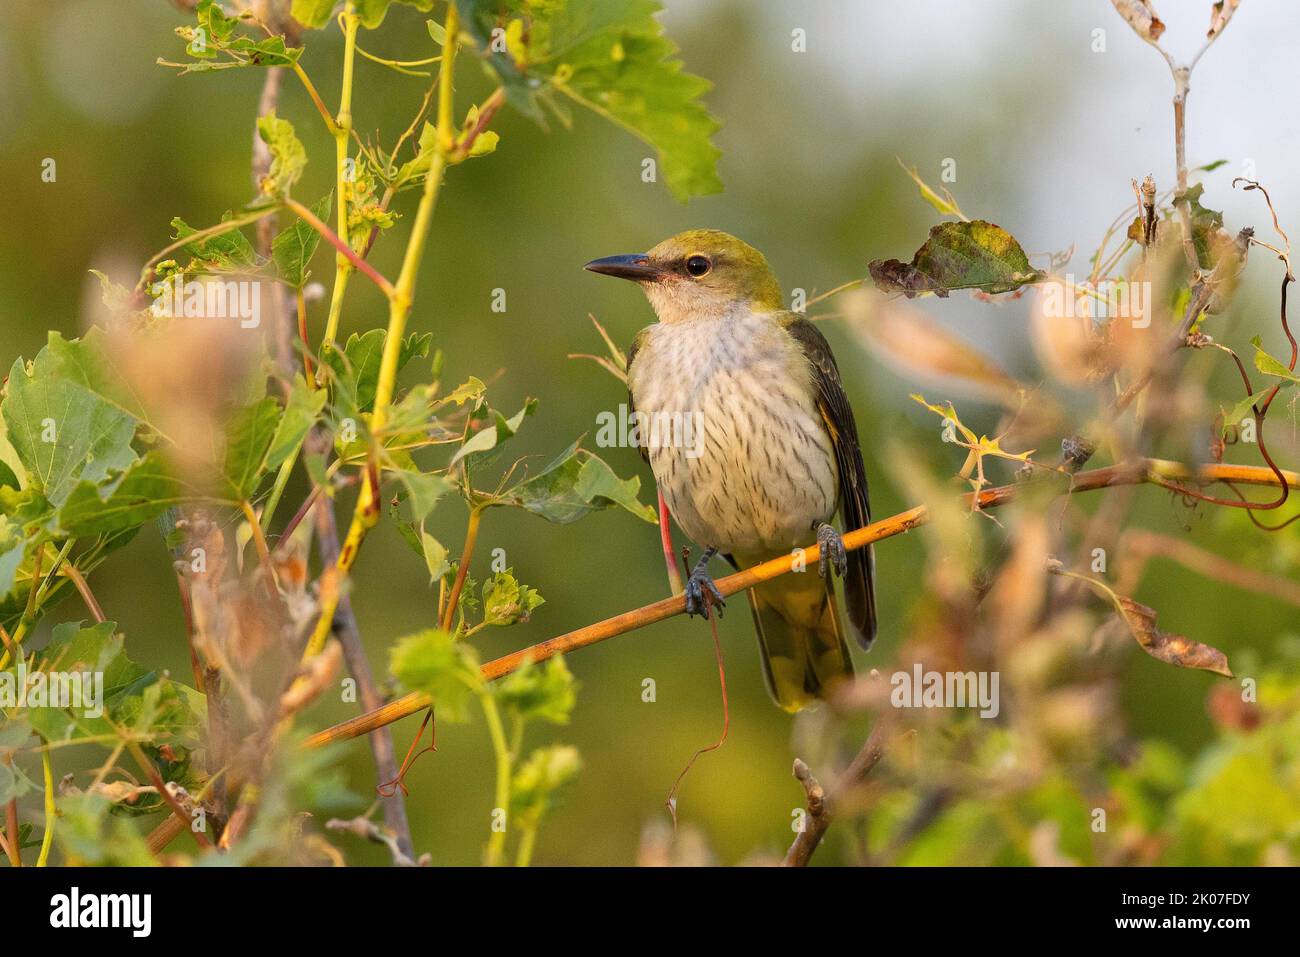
{"points": [[800, 638]]}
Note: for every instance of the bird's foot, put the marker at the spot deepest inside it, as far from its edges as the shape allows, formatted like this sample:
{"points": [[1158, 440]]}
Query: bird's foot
{"points": [[701, 593], [832, 548]]}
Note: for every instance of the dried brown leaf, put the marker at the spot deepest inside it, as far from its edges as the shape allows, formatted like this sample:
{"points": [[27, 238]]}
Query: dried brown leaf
{"points": [[1141, 16], [911, 342], [1174, 649], [318, 673]]}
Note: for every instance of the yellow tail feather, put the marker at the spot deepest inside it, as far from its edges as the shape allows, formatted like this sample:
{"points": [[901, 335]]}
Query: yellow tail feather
{"points": [[801, 641]]}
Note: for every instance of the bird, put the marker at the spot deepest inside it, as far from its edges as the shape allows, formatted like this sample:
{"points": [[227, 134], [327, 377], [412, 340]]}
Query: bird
{"points": [[740, 411]]}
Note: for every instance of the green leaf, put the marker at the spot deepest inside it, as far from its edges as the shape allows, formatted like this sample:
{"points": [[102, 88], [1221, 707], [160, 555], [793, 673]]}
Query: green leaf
{"points": [[89, 833], [506, 601], [1268, 365], [423, 489], [1244, 409], [218, 28], [288, 156], [313, 14], [435, 556], [356, 368], [248, 440], [88, 362], [227, 251], [635, 81], [301, 412], [132, 697], [546, 691], [13, 783], [435, 663], [611, 57], [944, 205], [417, 167], [214, 33], [61, 431], [372, 12], [574, 485], [142, 492], [293, 248], [485, 440], [962, 255], [537, 782], [471, 389], [13, 548]]}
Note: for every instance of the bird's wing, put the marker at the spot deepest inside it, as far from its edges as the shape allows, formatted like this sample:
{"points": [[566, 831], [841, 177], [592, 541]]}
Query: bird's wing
{"points": [[855, 506], [637, 343]]}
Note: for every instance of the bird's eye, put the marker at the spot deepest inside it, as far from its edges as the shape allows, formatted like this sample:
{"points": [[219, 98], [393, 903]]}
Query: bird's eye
{"points": [[698, 266]]}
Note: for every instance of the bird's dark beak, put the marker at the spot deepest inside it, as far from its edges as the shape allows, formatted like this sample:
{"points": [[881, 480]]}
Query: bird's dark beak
{"points": [[636, 267]]}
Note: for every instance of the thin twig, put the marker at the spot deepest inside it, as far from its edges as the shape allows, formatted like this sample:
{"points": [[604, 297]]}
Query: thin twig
{"points": [[345, 626], [348, 253], [821, 806], [83, 588], [1140, 545]]}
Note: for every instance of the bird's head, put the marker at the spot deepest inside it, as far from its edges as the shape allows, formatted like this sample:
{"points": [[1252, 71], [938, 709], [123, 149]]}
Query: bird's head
{"points": [[701, 273]]}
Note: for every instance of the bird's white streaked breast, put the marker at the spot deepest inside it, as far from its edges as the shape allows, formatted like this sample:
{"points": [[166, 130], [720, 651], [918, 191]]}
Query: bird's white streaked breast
{"points": [[761, 470]]}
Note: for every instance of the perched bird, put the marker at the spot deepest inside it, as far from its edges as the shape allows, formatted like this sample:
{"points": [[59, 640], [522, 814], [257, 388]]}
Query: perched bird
{"points": [[744, 421]]}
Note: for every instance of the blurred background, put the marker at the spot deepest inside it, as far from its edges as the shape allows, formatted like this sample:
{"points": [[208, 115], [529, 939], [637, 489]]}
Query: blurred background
{"points": [[1046, 133]]}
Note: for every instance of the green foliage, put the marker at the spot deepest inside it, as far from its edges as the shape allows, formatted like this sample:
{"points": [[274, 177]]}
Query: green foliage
{"points": [[476, 447], [960, 255], [315, 14], [1207, 227], [1241, 797], [248, 441], [62, 432], [90, 835], [135, 698], [547, 692], [574, 485], [1266, 364], [223, 251], [535, 786], [288, 155], [95, 444], [506, 601], [125, 502], [611, 57], [435, 663], [294, 246], [215, 43], [356, 366]]}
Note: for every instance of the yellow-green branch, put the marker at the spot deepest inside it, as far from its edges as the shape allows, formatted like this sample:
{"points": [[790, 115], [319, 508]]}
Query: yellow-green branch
{"points": [[366, 513]]}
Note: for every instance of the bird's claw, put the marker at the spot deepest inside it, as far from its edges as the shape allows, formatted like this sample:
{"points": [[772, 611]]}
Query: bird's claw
{"points": [[702, 594], [832, 547]]}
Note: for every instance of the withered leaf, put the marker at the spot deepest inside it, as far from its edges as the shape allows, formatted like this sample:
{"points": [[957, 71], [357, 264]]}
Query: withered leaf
{"points": [[1174, 649], [1141, 16], [962, 255], [905, 338], [1220, 14]]}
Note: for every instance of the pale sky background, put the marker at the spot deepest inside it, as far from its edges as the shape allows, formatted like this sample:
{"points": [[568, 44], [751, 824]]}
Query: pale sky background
{"points": [[1117, 121]]}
